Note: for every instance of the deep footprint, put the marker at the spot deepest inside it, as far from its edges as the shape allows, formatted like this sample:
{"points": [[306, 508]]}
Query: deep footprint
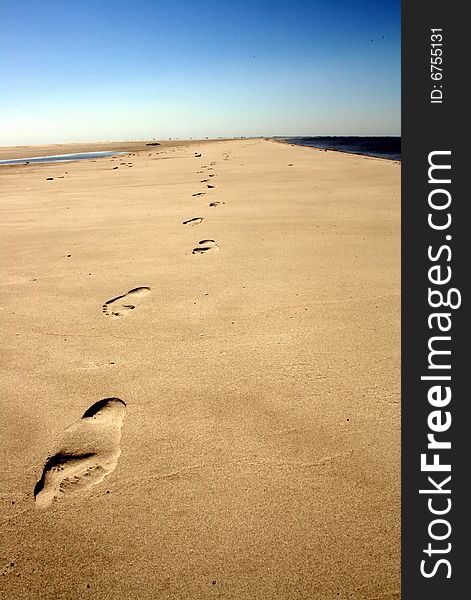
{"points": [[121, 305], [193, 221], [87, 452], [198, 194], [205, 246]]}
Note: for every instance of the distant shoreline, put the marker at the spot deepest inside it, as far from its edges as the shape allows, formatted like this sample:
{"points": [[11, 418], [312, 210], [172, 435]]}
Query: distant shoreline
{"points": [[365, 153], [32, 150]]}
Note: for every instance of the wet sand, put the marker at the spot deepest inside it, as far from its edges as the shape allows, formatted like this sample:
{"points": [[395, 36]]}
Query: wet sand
{"points": [[256, 348], [11, 152]]}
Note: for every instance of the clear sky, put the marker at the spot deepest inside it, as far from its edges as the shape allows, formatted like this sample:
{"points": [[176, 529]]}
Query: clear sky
{"points": [[82, 70]]}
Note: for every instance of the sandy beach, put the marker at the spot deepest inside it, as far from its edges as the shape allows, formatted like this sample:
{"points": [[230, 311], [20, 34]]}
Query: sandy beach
{"points": [[245, 306]]}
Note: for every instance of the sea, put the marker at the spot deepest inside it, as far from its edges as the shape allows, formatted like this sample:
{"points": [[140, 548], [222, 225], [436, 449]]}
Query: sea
{"points": [[58, 158], [380, 147]]}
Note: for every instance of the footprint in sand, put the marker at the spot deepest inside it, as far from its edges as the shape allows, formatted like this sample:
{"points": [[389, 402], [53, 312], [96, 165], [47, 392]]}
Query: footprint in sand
{"points": [[199, 194], [87, 452], [193, 221], [216, 203], [205, 246], [121, 305]]}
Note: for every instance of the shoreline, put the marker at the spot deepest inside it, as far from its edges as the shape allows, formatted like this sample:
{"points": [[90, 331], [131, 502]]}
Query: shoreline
{"points": [[10, 152], [286, 141]]}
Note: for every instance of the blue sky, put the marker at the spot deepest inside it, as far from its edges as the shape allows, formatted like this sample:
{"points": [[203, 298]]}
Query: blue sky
{"points": [[82, 70]]}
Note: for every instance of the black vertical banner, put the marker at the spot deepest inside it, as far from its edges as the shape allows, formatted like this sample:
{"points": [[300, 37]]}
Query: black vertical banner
{"points": [[436, 257]]}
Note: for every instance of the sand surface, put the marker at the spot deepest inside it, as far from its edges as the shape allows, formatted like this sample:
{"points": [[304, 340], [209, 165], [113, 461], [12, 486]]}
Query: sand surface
{"points": [[259, 456]]}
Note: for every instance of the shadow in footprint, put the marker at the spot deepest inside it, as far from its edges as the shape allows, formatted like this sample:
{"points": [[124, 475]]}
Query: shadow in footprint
{"points": [[193, 221], [86, 453], [205, 246], [121, 305], [199, 194]]}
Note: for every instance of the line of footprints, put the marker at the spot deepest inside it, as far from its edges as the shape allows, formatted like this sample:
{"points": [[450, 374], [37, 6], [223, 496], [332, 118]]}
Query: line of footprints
{"points": [[89, 449], [205, 245]]}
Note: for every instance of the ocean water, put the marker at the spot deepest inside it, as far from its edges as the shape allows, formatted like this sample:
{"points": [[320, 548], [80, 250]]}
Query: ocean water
{"points": [[58, 158], [379, 147]]}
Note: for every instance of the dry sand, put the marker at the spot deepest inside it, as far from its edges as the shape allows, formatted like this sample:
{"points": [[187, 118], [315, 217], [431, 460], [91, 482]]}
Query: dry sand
{"points": [[259, 457]]}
